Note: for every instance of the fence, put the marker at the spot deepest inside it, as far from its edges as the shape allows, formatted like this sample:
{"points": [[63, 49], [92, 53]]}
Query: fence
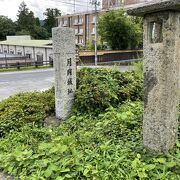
{"points": [[104, 57], [18, 63], [110, 56]]}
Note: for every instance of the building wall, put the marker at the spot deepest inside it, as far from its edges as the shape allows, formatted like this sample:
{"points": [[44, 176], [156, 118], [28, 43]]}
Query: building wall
{"points": [[34, 53], [20, 50], [29, 51], [106, 4], [1, 48], [12, 49], [5, 49], [83, 25], [131, 2]]}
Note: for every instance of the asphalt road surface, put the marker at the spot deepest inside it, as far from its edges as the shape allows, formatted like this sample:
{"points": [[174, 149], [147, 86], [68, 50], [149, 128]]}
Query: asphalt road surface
{"points": [[24, 81]]}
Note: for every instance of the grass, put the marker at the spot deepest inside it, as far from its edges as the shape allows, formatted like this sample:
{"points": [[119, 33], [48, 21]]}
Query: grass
{"points": [[24, 68]]}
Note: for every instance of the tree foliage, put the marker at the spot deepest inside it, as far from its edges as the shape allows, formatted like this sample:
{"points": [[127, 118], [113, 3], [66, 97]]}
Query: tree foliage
{"points": [[29, 24], [25, 18], [119, 30], [50, 20], [7, 27]]}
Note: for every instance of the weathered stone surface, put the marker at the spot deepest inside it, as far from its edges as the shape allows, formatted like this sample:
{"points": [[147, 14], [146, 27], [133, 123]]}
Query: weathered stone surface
{"points": [[155, 6], [65, 70], [161, 71], [51, 121]]}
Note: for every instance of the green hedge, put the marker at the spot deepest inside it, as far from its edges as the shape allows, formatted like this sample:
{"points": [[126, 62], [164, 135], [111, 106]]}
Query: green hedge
{"points": [[25, 108], [99, 89]]}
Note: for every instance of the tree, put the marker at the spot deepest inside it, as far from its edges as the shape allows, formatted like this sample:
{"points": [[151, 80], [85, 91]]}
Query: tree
{"points": [[7, 27], [39, 33], [28, 24], [25, 18], [50, 20], [119, 30]]}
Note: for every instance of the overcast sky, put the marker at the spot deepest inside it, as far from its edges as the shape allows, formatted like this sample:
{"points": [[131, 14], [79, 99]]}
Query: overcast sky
{"points": [[10, 7]]}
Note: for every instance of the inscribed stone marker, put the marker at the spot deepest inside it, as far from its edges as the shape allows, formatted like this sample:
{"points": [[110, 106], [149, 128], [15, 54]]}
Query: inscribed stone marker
{"points": [[161, 71], [65, 70]]}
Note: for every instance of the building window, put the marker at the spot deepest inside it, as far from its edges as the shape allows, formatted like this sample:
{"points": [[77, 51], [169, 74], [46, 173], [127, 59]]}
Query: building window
{"points": [[19, 53], [76, 31], [93, 31], [75, 21], [80, 31], [28, 56], [80, 20], [5, 51], [11, 52]]}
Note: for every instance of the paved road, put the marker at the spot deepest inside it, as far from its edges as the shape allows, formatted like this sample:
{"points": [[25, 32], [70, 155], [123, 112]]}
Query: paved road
{"points": [[24, 81]]}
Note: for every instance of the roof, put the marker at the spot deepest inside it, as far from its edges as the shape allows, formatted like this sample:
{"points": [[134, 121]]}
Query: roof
{"points": [[155, 6], [32, 43]]}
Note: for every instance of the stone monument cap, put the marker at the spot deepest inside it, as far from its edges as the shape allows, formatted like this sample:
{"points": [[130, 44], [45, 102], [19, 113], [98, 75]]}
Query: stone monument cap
{"points": [[156, 6]]}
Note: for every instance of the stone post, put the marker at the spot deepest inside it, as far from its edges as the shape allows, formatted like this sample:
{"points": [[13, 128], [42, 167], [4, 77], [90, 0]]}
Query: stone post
{"points": [[65, 70], [161, 72]]}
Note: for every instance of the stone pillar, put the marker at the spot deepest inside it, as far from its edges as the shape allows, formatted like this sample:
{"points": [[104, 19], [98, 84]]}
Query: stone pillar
{"points": [[161, 73], [65, 70]]}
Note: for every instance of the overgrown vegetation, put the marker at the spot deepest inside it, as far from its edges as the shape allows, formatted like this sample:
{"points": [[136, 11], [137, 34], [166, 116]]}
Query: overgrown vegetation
{"points": [[99, 89], [120, 31], [101, 140]]}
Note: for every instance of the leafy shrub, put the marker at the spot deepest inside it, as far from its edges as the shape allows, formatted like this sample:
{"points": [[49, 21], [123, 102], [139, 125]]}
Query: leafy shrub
{"points": [[96, 90], [107, 145], [99, 89], [87, 147], [25, 108], [120, 31]]}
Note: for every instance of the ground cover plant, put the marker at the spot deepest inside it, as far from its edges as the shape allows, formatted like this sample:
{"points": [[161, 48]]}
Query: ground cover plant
{"points": [[100, 141]]}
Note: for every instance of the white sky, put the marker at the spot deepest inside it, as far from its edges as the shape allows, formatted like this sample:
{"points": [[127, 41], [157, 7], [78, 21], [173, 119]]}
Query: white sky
{"points": [[10, 7]]}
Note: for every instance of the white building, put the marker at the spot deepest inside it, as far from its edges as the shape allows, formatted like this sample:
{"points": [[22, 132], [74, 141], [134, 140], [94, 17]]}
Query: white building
{"points": [[37, 50]]}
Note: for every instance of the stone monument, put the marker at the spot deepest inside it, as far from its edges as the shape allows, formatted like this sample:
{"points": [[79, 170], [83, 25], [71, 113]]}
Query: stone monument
{"points": [[65, 70], [161, 72]]}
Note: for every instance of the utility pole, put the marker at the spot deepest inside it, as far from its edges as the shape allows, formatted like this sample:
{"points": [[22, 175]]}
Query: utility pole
{"points": [[95, 3]]}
